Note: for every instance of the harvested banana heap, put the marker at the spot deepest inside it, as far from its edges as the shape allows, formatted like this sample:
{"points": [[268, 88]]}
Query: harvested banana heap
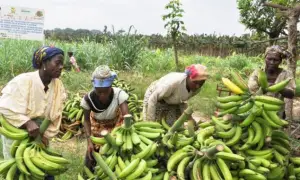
{"points": [[30, 157], [244, 141]]}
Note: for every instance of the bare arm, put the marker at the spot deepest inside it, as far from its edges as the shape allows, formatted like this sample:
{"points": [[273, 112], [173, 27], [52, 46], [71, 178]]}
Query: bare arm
{"points": [[87, 124], [124, 108]]}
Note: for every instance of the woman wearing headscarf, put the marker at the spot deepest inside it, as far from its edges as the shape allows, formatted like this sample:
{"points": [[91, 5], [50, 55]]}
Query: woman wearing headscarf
{"points": [[273, 58], [104, 108], [166, 97], [30, 97]]}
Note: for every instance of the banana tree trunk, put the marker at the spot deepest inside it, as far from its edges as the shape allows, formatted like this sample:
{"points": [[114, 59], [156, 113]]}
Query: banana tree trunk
{"points": [[176, 54], [292, 61], [293, 15]]}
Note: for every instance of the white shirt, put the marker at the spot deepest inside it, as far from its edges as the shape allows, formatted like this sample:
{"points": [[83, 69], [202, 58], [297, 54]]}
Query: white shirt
{"points": [[120, 96], [171, 88]]}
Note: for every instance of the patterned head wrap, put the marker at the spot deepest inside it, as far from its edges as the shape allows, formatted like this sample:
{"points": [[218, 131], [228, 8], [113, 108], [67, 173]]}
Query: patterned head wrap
{"points": [[196, 72], [277, 50], [44, 53], [103, 76]]}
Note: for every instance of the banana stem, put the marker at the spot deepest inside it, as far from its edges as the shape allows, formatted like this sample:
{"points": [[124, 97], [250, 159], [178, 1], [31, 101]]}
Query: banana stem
{"points": [[108, 138], [127, 121], [44, 125], [199, 153], [268, 141], [38, 139], [179, 122], [210, 153], [43, 128], [191, 128]]}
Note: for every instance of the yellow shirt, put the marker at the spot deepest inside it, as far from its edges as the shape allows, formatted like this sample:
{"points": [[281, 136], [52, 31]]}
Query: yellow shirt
{"points": [[24, 98]]}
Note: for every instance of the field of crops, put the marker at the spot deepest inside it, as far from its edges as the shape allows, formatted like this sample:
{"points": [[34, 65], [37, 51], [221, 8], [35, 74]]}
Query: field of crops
{"points": [[136, 67]]}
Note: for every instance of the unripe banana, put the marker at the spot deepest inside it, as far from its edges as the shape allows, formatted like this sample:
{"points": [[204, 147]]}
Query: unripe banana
{"points": [[55, 159], [181, 167], [42, 163], [11, 172], [19, 157], [224, 169], [262, 79], [234, 140], [229, 156], [12, 135], [176, 158], [238, 80], [130, 168], [279, 86], [206, 172], [138, 171], [6, 165], [232, 98], [32, 168]]}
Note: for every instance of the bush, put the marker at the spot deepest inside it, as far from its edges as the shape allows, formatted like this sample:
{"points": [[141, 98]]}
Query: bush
{"points": [[125, 49], [237, 62]]}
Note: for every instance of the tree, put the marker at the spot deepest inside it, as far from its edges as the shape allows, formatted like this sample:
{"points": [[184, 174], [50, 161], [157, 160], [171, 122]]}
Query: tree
{"points": [[174, 24], [264, 20], [293, 15]]}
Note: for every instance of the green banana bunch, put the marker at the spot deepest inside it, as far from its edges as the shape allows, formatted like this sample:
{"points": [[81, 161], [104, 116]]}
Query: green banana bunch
{"points": [[138, 137], [72, 110], [30, 157], [121, 84], [211, 162], [114, 166], [72, 118], [135, 105], [10, 131], [33, 161]]}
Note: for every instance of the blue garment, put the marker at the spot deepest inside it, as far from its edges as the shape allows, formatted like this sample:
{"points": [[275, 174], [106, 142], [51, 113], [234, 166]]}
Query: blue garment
{"points": [[104, 82]]}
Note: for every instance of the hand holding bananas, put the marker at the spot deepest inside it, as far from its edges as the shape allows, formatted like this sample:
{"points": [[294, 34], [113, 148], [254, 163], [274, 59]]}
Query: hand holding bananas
{"points": [[32, 128], [30, 156], [273, 76]]}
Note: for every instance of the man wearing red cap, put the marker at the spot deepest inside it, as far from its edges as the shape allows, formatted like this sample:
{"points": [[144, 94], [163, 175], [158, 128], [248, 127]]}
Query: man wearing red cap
{"points": [[166, 97]]}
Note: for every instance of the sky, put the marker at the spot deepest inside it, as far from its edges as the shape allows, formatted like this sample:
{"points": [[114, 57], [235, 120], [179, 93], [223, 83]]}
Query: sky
{"points": [[201, 16]]}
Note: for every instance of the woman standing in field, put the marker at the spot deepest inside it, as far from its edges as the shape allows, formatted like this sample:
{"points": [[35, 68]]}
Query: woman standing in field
{"points": [[73, 61], [30, 97], [273, 58], [166, 97], [104, 108]]}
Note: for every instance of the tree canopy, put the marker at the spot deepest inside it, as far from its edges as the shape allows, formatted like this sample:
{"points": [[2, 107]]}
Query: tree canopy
{"points": [[264, 20]]}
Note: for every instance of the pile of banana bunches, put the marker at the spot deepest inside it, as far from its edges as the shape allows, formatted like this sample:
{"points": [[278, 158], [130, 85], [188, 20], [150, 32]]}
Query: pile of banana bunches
{"points": [[135, 105], [30, 158], [73, 118], [244, 141]]}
